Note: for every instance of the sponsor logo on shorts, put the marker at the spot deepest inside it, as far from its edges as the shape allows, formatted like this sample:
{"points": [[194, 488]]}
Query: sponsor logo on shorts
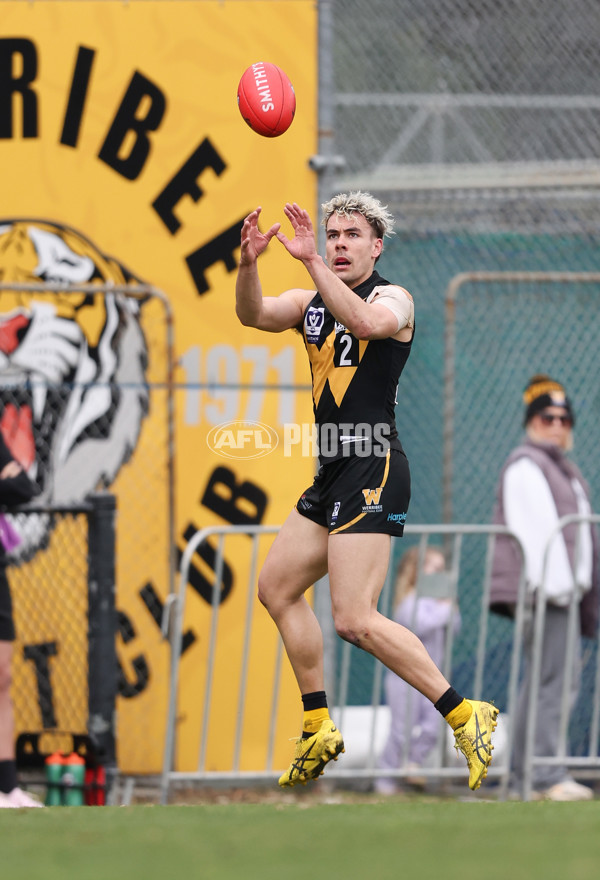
{"points": [[335, 512], [372, 498], [396, 518]]}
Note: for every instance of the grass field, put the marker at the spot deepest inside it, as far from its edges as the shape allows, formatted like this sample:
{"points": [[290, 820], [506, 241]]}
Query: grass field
{"points": [[375, 841]]}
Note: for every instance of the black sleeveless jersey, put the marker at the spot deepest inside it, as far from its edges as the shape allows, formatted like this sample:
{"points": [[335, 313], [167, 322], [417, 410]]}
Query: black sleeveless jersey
{"points": [[354, 381]]}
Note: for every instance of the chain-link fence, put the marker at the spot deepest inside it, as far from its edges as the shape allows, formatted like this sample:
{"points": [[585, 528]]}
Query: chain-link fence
{"points": [[540, 321], [50, 600], [463, 83], [64, 660], [86, 404], [478, 125]]}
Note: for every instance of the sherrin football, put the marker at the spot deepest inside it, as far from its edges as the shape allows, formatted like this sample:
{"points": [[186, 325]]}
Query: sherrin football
{"points": [[266, 99]]}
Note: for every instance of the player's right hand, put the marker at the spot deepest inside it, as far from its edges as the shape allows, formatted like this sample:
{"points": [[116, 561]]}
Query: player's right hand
{"points": [[253, 241]]}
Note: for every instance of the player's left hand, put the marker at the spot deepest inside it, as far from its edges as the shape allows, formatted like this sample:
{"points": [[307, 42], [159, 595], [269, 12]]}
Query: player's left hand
{"points": [[303, 246]]}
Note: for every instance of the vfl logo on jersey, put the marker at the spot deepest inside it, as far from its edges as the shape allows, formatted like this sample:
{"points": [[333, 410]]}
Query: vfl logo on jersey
{"points": [[313, 323]]}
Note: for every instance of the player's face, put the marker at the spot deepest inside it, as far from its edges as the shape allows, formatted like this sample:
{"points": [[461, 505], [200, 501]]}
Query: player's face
{"points": [[351, 248]]}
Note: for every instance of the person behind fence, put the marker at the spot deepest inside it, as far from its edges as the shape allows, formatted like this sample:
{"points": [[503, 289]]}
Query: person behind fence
{"points": [[422, 603], [537, 486], [358, 332], [15, 488]]}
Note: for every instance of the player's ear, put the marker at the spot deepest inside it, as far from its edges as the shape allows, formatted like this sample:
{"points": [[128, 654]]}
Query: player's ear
{"points": [[377, 247]]}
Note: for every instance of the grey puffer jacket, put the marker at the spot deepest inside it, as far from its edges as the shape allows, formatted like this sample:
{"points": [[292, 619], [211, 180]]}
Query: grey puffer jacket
{"points": [[559, 471]]}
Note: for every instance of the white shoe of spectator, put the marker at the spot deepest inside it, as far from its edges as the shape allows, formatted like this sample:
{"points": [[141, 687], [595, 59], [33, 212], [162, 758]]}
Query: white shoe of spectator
{"points": [[387, 787], [568, 790], [415, 778], [18, 798]]}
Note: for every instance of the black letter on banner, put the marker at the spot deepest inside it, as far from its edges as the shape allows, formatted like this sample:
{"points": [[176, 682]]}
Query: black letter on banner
{"points": [[127, 688], [9, 84], [125, 121], [220, 248], [185, 183], [197, 580], [77, 96], [155, 606], [39, 654], [248, 493]]}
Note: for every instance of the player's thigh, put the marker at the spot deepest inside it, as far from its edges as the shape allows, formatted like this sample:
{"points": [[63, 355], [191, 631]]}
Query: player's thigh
{"points": [[358, 564], [296, 560]]}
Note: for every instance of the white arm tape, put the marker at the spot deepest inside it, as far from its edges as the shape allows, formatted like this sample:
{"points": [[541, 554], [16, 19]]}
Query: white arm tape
{"points": [[398, 302]]}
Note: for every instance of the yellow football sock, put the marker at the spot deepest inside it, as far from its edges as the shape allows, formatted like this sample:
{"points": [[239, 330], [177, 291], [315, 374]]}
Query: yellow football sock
{"points": [[314, 718], [460, 715]]}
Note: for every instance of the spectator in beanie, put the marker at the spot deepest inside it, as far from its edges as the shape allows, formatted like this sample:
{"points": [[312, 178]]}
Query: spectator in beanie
{"points": [[539, 485]]}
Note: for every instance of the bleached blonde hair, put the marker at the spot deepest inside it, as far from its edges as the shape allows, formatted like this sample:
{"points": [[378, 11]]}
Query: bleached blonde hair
{"points": [[377, 215]]}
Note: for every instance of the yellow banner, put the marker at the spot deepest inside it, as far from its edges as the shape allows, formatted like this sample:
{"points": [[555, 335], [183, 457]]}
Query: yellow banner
{"points": [[124, 158]]}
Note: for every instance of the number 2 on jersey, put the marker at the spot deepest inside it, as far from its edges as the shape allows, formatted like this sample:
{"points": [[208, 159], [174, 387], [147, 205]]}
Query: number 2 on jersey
{"points": [[345, 350]]}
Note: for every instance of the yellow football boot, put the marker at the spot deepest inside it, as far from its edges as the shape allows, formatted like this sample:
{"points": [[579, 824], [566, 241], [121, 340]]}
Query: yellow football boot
{"points": [[474, 740], [312, 754]]}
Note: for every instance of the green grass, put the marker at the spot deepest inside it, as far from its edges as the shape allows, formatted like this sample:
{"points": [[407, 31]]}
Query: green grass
{"points": [[450, 840]]}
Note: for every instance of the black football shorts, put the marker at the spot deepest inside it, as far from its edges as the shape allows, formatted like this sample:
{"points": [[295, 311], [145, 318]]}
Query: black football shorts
{"points": [[360, 494]]}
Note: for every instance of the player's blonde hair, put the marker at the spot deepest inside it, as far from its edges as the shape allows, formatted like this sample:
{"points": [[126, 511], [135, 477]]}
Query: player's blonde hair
{"points": [[377, 215]]}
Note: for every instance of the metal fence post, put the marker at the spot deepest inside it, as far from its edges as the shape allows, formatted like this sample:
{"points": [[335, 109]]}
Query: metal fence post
{"points": [[102, 657]]}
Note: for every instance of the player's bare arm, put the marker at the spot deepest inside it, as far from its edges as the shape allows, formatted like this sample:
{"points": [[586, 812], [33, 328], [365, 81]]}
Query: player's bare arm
{"points": [[363, 320], [273, 314]]}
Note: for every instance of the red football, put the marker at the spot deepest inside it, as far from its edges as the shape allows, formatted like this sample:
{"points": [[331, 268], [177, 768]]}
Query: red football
{"points": [[266, 99]]}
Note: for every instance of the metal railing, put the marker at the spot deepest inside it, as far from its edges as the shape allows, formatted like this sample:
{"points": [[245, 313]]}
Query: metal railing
{"points": [[441, 767], [453, 535], [172, 625]]}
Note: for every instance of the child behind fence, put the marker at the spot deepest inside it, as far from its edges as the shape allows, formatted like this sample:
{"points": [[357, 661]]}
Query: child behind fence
{"points": [[421, 604]]}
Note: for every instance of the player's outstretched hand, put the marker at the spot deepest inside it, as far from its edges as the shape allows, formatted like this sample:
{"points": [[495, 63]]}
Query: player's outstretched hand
{"points": [[253, 241], [303, 246]]}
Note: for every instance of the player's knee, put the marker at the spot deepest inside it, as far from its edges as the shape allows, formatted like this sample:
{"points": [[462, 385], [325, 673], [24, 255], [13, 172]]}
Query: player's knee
{"points": [[263, 592], [349, 628], [267, 590]]}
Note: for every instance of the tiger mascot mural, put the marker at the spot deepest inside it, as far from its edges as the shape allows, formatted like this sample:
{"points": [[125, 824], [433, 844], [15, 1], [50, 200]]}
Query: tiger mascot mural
{"points": [[73, 389]]}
